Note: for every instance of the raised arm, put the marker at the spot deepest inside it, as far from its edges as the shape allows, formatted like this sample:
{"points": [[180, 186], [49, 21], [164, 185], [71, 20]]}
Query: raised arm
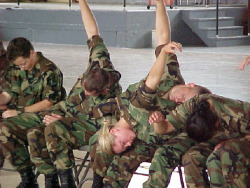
{"points": [[88, 19], [162, 24], [244, 63], [157, 70]]}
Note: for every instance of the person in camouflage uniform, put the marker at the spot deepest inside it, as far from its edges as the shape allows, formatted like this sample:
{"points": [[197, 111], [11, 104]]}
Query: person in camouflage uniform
{"points": [[229, 165], [117, 170], [69, 119], [24, 86], [3, 71], [227, 119]]}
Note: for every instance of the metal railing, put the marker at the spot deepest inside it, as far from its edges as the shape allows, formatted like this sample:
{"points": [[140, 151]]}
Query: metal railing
{"points": [[217, 18]]}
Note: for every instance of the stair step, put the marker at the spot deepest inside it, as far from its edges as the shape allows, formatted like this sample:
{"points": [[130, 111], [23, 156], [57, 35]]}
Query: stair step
{"points": [[223, 31], [211, 22], [229, 41], [204, 13]]}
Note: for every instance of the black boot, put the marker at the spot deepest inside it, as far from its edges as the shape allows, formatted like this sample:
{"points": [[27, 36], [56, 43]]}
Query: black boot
{"points": [[97, 181], [51, 181], [107, 185], [28, 178], [66, 178]]}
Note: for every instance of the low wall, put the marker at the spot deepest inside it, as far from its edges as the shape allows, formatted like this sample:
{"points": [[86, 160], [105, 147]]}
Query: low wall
{"points": [[119, 28]]}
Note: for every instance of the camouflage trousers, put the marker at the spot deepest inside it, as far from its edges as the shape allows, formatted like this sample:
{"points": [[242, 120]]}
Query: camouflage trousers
{"points": [[117, 170], [13, 137], [1, 152], [194, 162], [166, 158], [52, 148], [229, 166]]}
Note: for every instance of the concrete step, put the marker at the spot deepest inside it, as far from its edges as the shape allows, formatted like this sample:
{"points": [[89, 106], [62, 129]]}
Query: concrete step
{"points": [[211, 22], [203, 13], [229, 41], [222, 31]]}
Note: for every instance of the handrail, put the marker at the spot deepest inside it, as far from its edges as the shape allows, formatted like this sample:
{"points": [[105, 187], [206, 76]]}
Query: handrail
{"points": [[217, 18]]}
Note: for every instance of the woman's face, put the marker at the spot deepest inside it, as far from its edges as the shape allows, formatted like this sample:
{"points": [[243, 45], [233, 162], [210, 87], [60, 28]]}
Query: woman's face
{"points": [[124, 138]]}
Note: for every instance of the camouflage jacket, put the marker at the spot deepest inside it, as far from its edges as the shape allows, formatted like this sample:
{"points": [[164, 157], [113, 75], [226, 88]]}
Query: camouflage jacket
{"points": [[79, 105], [44, 81], [138, 101], [234, 115], [3, 70]]}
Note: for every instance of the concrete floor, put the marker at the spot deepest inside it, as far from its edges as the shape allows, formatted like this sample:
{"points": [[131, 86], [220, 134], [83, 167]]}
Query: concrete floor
{"points": [[215, 68]]}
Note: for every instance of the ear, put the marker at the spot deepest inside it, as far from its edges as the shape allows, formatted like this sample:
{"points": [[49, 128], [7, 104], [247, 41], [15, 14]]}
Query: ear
{"points": [[191, 84], [32, 52], [113, 131], [105, 90]]}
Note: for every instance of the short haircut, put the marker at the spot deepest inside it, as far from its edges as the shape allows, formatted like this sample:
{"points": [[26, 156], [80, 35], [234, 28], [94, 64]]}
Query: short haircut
{"points": [[19, 47], [201, 124], [201, 90], [96, 80]]}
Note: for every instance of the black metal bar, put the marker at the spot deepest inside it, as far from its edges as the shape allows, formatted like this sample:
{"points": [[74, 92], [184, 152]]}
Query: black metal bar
{"points": [[69, 3], [18, 2], [217, 18], [124, 3], [248, 17]]}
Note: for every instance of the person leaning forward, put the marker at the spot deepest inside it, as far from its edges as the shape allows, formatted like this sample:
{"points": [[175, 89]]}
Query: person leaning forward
{"points": [[109, 165], [29, 82], [99, 83]]}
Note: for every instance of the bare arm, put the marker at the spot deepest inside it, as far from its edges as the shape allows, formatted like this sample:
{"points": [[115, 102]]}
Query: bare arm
{"points": [[162, 24], [37, 107], [4, 98], [244, 63], [88, 19], [157, 70], [40, 106]]}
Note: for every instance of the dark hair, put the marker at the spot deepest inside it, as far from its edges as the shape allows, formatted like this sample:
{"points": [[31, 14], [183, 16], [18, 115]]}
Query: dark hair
{"points": [[201, 90], [19, 47], [200, 125], [96, 80]]}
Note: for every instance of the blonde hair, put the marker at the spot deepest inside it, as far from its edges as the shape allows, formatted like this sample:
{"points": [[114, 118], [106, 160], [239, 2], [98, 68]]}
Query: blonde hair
{"points": [[105, 139]]}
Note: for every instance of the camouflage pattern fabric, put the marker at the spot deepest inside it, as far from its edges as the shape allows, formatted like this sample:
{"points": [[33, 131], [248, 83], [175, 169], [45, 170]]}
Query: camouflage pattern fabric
{"points": [[135, 105], [229, 166], [233, 123], [29, 87], [13, 136], [77, 127], [233, 115], [166, 158], [1, 152]]}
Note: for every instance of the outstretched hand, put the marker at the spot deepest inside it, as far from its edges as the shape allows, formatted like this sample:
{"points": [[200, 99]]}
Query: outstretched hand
{"points": [[156, 117]]}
